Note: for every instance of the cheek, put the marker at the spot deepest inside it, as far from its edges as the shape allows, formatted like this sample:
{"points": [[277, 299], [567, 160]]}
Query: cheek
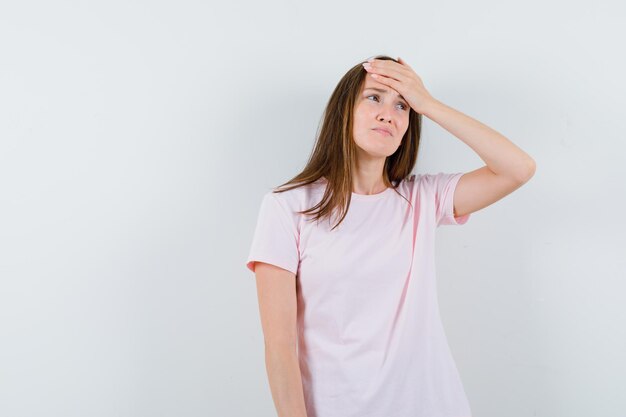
{"points": [[360, 119], [405, 126]]}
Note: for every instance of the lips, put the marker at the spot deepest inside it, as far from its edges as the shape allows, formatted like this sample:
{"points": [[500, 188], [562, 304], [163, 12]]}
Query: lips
{"points": [[382, 131]]}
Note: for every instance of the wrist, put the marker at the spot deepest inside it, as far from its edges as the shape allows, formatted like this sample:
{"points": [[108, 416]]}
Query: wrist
{"points": [[429, 106]]}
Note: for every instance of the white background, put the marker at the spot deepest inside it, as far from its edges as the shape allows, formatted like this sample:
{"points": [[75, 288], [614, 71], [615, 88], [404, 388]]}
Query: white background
{"points": [[138, 137]]}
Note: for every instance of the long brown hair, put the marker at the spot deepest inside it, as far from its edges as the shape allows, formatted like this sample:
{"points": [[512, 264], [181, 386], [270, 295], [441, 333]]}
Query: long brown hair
{"points": [[335, 150]]}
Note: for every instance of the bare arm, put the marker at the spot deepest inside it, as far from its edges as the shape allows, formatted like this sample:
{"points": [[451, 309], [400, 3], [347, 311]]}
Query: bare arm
{"points": [[507, 166], [276, 289]]}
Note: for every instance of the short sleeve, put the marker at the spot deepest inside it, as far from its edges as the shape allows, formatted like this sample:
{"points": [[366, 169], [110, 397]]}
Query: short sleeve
{"points": [[276, 236], [445, 184]]}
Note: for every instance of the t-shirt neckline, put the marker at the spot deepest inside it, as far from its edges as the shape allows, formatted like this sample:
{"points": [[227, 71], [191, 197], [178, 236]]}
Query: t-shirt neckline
{"points": [[371, 197], [363, 197]]}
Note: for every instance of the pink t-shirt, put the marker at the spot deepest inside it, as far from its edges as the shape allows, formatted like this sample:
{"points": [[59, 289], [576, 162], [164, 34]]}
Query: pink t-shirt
{"points": [[370, 339]]}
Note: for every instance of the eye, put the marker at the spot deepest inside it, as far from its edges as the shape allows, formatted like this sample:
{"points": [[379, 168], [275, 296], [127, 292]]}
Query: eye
{"points": [[404, 106]]}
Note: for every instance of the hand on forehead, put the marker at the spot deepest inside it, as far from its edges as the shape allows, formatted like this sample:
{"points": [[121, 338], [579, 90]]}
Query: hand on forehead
{"points": [[371, 82]]}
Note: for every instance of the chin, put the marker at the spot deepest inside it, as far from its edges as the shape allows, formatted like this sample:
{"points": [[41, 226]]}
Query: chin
{"points": [[380, 153], [374, 148]]}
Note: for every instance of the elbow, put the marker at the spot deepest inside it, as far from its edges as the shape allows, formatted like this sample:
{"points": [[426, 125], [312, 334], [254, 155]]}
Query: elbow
{"points": [[532, 167], [280, 346], [529, 170], [278, 353]]}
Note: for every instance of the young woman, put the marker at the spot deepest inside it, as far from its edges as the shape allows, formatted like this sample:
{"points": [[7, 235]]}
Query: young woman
{"points": [[344, 256]]}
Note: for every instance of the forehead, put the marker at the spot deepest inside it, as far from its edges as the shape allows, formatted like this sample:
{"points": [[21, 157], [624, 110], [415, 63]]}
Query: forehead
{"points": [[372, 83]]}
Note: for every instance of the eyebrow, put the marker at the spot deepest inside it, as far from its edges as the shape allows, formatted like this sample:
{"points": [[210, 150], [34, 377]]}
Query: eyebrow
{"points": [[380, 90]]}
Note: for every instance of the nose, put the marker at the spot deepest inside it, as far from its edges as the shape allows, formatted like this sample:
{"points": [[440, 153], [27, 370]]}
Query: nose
{"points": [[384, 116], [385, 113]]}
